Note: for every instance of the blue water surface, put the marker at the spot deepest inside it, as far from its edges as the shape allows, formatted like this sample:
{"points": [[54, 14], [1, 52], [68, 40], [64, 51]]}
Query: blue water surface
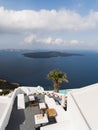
{"points": [[80, 70]]}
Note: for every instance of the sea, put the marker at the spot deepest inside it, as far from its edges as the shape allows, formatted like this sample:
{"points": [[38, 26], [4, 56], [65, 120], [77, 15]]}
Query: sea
{"points": [[81, 70]]}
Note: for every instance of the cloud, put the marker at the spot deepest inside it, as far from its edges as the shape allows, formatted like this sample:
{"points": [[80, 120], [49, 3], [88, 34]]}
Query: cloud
{"points": [[74, 42], [57, 43], [30, 39], [34, 39], [43, 20], [48, 40]]}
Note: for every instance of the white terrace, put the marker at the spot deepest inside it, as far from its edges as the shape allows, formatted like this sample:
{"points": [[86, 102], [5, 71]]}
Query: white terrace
{"points": [[81, 114]]}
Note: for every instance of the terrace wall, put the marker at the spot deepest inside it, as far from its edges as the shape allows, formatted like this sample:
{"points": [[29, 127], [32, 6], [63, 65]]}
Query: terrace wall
{"points": [[76, 117]]}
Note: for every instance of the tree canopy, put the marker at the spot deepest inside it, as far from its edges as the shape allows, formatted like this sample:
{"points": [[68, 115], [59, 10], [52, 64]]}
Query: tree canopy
{"points": [[57, 77]]}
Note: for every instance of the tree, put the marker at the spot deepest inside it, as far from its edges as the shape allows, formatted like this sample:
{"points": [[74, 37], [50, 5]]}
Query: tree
{"points": [[57, 78]]}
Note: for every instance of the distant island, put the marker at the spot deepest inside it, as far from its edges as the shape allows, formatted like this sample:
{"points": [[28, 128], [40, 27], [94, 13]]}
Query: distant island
{"points": [[49, 54]]}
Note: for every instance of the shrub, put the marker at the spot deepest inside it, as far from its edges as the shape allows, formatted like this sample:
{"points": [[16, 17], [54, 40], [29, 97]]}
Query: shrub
{"points": [[5, 91]]}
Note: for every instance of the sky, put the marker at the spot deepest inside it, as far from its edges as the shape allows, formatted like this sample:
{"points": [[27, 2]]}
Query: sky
{"points": [[46, 24]]}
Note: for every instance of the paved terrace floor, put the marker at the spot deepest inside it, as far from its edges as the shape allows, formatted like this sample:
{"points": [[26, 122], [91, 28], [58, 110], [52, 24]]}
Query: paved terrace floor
{"points": [[23, 119]]}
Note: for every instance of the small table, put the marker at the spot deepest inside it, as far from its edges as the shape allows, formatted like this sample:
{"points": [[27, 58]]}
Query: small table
{"points": [[32, 101], [31, 98], [42, 105], [40, 119]]}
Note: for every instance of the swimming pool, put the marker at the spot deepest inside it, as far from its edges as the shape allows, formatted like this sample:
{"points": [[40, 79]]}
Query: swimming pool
{"points": [[63, 92]]}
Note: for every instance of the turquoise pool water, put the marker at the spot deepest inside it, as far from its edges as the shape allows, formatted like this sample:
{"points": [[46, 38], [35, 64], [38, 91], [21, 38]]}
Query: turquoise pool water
{"points": [[63, 92]]}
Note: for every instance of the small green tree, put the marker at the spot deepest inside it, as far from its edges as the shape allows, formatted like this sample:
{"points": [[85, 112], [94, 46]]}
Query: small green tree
{"points": [[57, 78]]}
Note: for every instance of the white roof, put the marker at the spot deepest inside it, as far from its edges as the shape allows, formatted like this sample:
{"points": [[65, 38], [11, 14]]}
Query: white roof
{"points": [[86, 101]]}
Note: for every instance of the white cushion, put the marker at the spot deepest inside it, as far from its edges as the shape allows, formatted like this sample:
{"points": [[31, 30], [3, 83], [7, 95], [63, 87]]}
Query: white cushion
{"points": [[21, 101]]}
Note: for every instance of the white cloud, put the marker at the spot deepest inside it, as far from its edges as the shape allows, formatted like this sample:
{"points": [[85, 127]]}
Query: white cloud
{"points": [[30, 39], [48, 28], [33, 39], [74, 42], [52, 20], [48, 40], [58, 41]]}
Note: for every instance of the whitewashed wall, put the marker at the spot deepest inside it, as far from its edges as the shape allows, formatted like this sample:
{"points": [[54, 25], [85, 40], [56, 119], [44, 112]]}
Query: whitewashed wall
{"points": [[75, 116], [6, 115]]}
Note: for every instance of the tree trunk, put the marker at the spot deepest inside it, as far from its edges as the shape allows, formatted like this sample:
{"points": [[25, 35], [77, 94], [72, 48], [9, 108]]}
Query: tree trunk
{"points": [[56, 87]]}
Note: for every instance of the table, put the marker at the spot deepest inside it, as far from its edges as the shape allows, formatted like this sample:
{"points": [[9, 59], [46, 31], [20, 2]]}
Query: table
{"points": [[42, 105], [40, 119], [31, 98]]}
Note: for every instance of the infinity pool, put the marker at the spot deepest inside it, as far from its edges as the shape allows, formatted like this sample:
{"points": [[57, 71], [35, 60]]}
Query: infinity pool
{"points": [[63, 92]]}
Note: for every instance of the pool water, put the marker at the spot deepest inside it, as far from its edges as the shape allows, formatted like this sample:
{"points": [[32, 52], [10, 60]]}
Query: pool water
{"points": [[63, 92]]}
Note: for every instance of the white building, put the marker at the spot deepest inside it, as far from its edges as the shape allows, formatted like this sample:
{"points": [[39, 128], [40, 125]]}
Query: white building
{"points": [[83, 107], [81, 114], [82, 110]]}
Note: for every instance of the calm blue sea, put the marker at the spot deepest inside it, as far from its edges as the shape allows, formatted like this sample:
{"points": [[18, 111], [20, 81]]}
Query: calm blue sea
{"points": [[81, 70]]}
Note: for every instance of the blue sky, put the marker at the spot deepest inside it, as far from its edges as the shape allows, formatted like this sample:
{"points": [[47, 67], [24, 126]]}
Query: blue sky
{"points": [[45, 24]]}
